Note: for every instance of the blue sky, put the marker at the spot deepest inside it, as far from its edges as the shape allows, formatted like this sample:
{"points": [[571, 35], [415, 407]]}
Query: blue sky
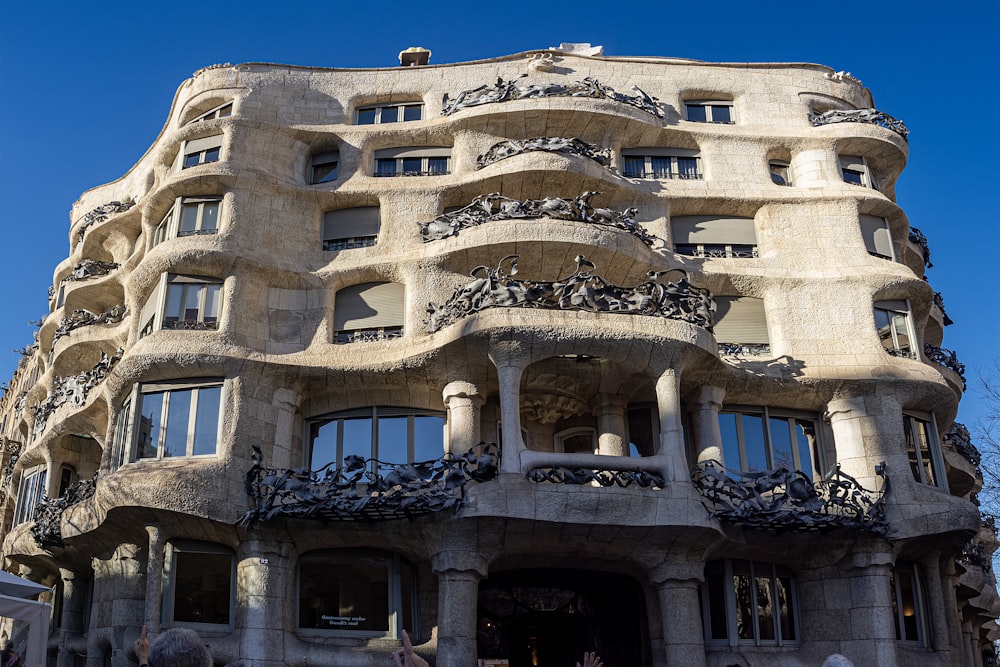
{"points": [[86, 87]]}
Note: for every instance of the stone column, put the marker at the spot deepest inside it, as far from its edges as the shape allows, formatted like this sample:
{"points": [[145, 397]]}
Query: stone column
{"points": [[671, 448], [677, 585], [262, 571], [705, 424], [286, 425], [154, 570], [873, 629], [612, 439], [861, 444], [74, 593], [458, 573], [510, 362], [463, 401]]}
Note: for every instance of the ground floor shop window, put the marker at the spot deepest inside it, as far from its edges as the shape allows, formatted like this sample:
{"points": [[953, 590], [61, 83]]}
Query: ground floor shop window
{"points": [[749, 602], [362, 593], [909, 611], [198, 588]]}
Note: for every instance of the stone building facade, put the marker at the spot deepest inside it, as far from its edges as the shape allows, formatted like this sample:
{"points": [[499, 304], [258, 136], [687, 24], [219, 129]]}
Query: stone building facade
{"points": [[533, 355]]}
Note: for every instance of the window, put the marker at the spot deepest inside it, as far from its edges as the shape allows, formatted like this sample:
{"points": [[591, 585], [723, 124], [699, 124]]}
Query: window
{"points": [[741, 326], [781, 172], [892, 320], [714, 236], [170, 419], [431, 161], [854, 170], [909, 611], [221, 111], [923, 450], [369, 312], [391, 435], [359, 593], [183, 303], [351, 228], [390, 113], [709, 111], [877, 239], [749, 602], [30, 493], [660, 163], [323, 167], [190, 216], [201, 151], [758, 439], [198, 585], [581, 439]]}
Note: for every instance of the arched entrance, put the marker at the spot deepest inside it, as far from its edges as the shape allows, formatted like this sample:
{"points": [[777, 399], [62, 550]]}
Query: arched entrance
{"points": [[548, 618]]}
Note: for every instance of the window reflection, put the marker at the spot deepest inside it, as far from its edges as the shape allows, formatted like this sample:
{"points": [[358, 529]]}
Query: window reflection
{"points": [[390, 435]]}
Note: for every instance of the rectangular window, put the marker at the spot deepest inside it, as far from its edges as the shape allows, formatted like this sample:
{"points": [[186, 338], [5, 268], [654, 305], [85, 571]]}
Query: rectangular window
{"points": [[892, 321], [390, 435], [923, 450], [29, 493], [348, 228], [389, 113], [781, 172], [875, 231], [324, 167], [221, 111], [749, 602], [201, 151], [171, 419], [909, 611], [714, 236], [661, 163], [854, 170], [190, 216], [191, 302], [369, 312], [198, 585], [741, 326], [412, 162], [709, 111], [763, 439]]}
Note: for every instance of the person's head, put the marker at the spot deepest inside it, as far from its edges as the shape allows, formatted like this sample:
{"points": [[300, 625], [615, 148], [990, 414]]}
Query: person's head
{"points": [[178, 647]]}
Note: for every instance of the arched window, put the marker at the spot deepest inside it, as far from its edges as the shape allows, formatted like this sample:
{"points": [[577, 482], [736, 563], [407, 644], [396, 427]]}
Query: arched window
{"points": [[368, 312]]}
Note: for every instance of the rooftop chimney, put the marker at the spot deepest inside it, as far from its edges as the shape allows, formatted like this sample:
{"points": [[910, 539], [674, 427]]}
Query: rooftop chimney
{"points": [[415, 55]]}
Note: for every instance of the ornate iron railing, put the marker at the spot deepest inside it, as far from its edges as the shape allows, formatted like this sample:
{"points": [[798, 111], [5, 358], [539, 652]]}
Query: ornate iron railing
{"points": [[573, 146], [102, 213], [939, 302], [73, 389], [663, 175], [497, 288], [870, 116], [86, 269], [784, 500], [190, 325], [350, 243], [744, 349], [48, 513], [14, 448], [946, 358], [958, 438], [976, 554], [367, 335], [917, 237], [85, 318], [362, 490], [603, 477]]}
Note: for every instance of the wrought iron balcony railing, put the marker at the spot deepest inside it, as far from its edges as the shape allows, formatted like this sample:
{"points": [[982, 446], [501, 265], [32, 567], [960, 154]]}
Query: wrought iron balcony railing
{"points": [[48, 513], [744, 349], [785, 500], [601, 477], [362, 489], [958, 438], [367, 335], [917, 237], [351, 243], [663, 175], [870, 116], [946, 358]]}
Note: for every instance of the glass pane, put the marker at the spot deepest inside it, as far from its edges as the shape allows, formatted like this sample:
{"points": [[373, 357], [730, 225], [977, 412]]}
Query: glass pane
{"points": [[189, 219], [660, 167], [385, 167], [744, 606], [192, 160], [918, 447], [730, 440], [437, 165], [428, 437], [178, 416], [853, 177], [213, 295], [206, 426], [696, 113], [357, 438], [722, 114], [192, 298], [765, 608], [344, 593], [407, 585], [389, 115], [323, 444], [902, 332], [908, 595], [687, 167], [202, 587], [149, 425], [211, 155], [895, 605], [753, 443], [172, 312], [324, 173], [412, 166], [412, 112], [366, 116], [779, 174], [786, 609], [911, 448], [226, 111], [210, 216], [392, 439], [715, 579], [805, 443], [632, 167], [781, 444]]}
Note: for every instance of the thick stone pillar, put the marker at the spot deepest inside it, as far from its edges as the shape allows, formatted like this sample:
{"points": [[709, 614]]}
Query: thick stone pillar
{"points": [[74, 594], [510, 362], [671, 450], [612, 438], [861, 443], [287, 423], [680, 612], [154, 569], [705, 424], [262, 571], [463, 401], [873, 630], [458, 573]]}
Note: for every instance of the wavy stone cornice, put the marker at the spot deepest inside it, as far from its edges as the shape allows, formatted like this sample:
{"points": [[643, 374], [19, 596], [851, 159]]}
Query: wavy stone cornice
{"points": [[497, 288], [511, 147]]}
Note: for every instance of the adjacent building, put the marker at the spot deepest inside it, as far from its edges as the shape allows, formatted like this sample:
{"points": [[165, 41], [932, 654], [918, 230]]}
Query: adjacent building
{"points": [[529, 356]]}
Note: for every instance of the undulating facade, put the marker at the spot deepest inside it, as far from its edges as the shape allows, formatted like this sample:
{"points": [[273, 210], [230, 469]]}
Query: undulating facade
{"points": [[529, 356]]}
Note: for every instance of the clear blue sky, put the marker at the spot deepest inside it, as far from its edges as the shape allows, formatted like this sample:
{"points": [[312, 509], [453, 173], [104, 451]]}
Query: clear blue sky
{"points": [[86, 87]]}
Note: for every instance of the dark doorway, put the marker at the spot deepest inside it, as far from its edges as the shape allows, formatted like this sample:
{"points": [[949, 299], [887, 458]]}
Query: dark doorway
{"points": [[548, 618]]}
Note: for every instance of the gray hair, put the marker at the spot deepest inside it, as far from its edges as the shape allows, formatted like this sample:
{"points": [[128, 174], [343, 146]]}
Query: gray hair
{"points": [[837, 660], [179, 647]]}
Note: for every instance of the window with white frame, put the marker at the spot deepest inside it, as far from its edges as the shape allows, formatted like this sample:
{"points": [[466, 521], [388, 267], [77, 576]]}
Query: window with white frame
{"points": [[878, 241], [30, 492], [576, 440], [429, 161], [222, 111], [390, 435], [182, 303], [781, 172], [201, 151], [323, 167], [169, 419], [349, 228], [749, 602], [198, 589], [389, 113], [923, 449], [758, 439], [189, 216], [741, 326], [908, 604], [895, 328], [360, 593], [709, 111], [854, 170], [369, 312], [661, 163], [714, 236]]}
